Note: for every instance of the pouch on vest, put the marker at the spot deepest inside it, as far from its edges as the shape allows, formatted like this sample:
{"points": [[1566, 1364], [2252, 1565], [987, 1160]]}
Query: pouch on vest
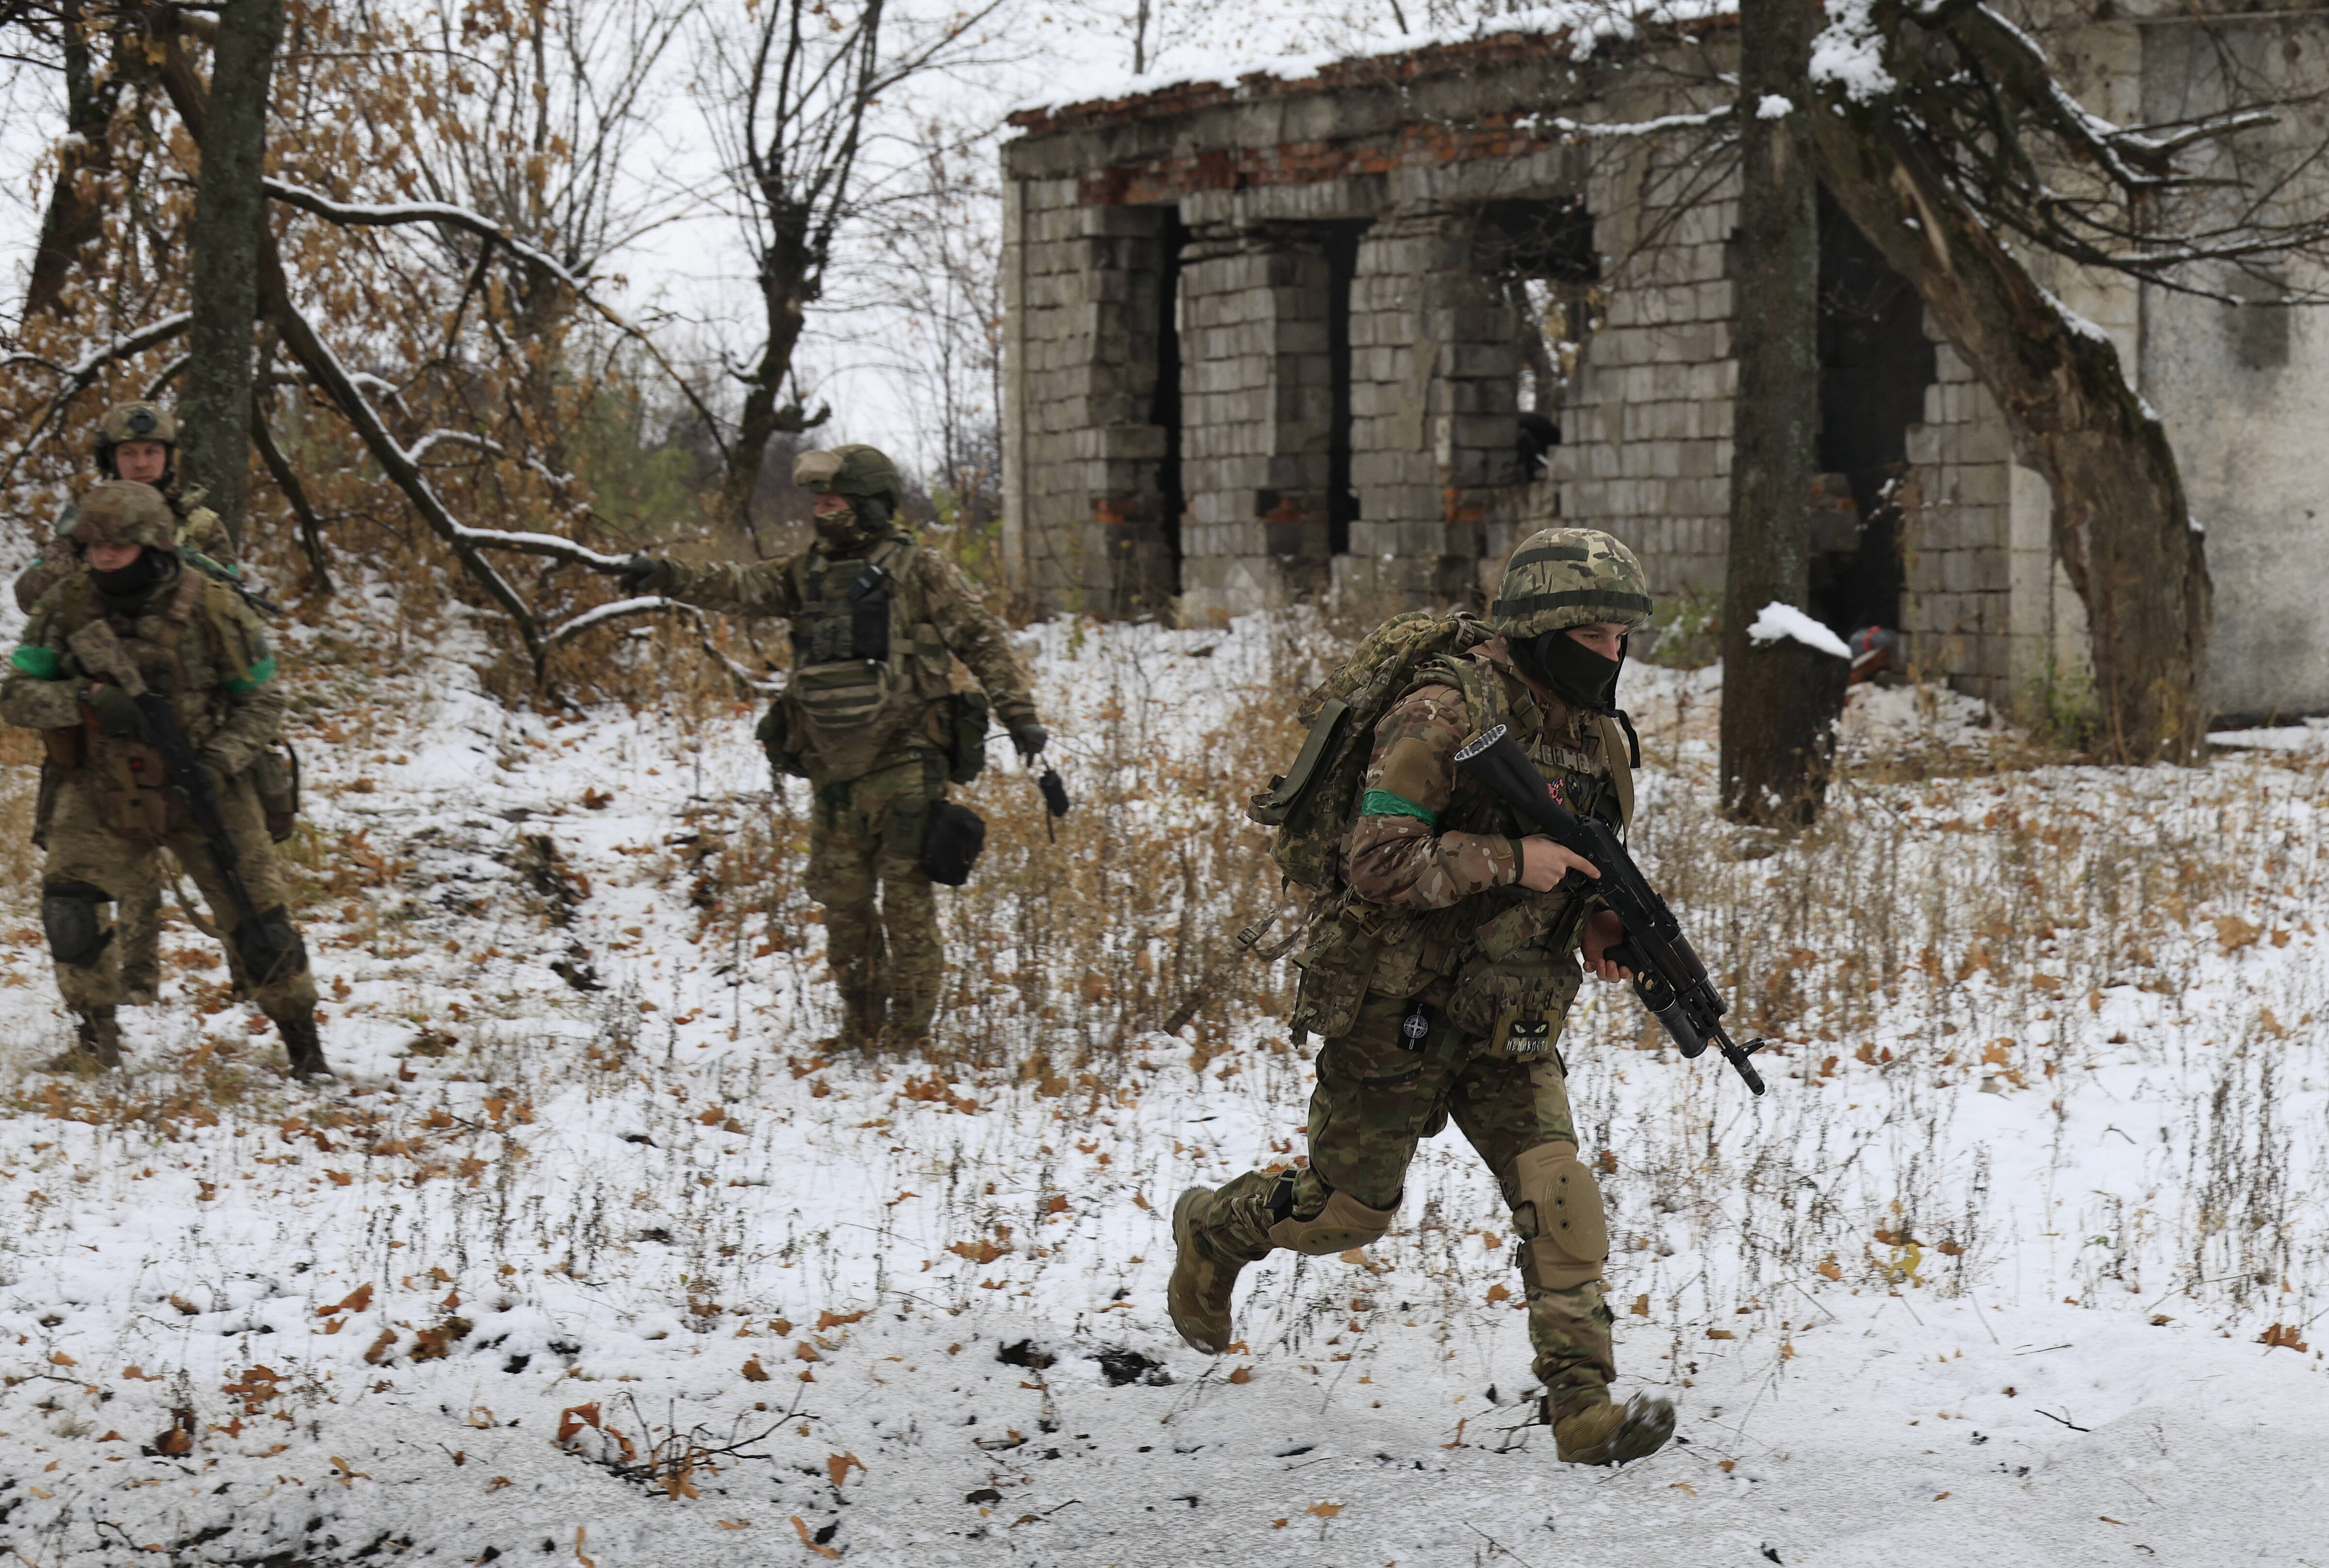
{"points": [[775, 734], [275, 775], [951, 843], [966, 720]]}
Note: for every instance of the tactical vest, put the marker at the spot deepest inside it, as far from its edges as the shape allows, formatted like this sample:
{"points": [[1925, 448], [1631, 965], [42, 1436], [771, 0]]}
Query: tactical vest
{"points": [[1497, 956], [193, 670], [864, 673]]}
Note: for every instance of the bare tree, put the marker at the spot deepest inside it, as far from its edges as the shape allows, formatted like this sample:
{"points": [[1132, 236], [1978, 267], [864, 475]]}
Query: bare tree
{"points": [[229, 212], [795, 107], [1779, 698]]}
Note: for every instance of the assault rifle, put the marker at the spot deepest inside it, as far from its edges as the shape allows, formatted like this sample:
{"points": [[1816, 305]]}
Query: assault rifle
{"points": [[1668, 976], [264, 944]]}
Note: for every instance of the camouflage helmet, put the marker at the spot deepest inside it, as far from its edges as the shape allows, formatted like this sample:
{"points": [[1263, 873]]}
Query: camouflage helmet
{"points": [[1565, 577], [851, 470], [118, 512], [138, 421]]}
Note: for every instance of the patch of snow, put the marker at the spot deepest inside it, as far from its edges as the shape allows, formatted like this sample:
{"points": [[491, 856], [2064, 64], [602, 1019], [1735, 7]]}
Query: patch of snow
{"points": [[1773, 107], [1776, 621], [1849, 52]]}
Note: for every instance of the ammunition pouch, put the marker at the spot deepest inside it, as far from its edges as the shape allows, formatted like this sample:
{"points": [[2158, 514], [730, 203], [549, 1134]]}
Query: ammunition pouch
{"points": [[275, 775], [951, 841], [77, 939], [1560, 1215], [776, 733], [965, 715]]}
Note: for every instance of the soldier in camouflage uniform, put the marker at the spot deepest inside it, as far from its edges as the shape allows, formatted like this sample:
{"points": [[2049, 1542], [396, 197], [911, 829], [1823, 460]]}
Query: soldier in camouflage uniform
{"points": [[1440, 980], [194, 640], [870, 719], [136, 441]]}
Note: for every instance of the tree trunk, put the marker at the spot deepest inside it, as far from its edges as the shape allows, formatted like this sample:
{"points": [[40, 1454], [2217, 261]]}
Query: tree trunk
{"points": [[785, 289], [2122, 528], [1779, 699], [75, 215], [230, 211]]}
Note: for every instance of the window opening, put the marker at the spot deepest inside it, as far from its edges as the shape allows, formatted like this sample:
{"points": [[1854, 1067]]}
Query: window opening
{"points": [[1541, 253], [1340, 245], [1165, 406], [1875, 364]]}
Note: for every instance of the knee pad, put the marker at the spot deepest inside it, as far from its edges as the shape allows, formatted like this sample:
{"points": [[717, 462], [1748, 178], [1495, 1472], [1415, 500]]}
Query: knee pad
{"points": [[68, 913], [1560, 1212], [1343, 1223]]}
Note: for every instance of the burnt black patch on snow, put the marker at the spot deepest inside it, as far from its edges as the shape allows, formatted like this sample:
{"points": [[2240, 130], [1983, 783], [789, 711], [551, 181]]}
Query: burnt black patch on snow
{"points": [[1124, 1365], [1026, 1352]]}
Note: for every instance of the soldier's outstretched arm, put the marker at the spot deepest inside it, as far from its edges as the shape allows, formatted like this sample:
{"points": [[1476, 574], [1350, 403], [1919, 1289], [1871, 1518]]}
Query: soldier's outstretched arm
{"points": [[758, 588], [1397, 855], [978, 640]]}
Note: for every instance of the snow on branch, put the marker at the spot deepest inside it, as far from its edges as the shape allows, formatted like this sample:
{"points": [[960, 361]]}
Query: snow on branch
{"points": [[549, 545], [1595, 129], [1780, 622], [625, 609]]}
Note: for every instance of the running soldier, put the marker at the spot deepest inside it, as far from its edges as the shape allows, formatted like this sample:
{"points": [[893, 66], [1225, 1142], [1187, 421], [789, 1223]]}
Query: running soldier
{"points": [[1439, 978]]}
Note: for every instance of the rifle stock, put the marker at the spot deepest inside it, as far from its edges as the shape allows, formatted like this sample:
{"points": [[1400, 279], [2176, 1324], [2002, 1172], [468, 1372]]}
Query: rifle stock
{"points": [[1668, 975]]}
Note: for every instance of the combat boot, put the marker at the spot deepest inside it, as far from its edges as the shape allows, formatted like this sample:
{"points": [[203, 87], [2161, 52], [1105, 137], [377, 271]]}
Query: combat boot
{"points": [[1199, 1295], [862, 1012], [304, 1047], [97, 1044], [1597, 1433]]}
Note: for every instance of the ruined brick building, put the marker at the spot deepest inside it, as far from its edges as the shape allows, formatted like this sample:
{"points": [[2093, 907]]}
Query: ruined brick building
{"points": [[1354, 330]]}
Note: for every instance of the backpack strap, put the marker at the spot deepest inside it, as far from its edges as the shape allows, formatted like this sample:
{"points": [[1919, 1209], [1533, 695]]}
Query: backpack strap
{"points": [[1621, 773]]}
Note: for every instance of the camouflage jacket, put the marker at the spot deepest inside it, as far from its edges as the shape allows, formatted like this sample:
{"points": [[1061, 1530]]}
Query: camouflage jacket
{"points": [[193, 637], [850, 714], [1435, 908]]}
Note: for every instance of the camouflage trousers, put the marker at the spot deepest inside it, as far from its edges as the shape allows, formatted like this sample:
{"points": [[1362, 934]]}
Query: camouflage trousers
{"points": [[136, 918], [1375, 1099], [89, 866], [865, 844]]}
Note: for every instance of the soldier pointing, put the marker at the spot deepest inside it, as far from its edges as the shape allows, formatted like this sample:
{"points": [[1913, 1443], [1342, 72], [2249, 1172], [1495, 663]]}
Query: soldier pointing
{"points": [[871, 720]]}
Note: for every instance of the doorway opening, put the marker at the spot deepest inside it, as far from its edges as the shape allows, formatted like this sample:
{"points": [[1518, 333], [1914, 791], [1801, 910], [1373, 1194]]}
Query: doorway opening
{"points": [[1875, 365]]}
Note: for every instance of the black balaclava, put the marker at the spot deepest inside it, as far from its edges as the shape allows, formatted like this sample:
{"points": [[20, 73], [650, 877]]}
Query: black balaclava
{"points": [[1571, 671], [127, 589]]}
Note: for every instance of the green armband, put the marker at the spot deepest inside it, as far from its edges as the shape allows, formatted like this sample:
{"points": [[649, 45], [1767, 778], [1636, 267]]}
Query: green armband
{"points": [[1387, 803], [40, 662], [260, 673]]}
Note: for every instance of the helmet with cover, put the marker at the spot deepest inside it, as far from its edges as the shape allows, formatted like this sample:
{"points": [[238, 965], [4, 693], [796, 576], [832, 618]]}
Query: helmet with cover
{"points": [[1560, 579], [862, 473], [135, 421], [118, 512]]}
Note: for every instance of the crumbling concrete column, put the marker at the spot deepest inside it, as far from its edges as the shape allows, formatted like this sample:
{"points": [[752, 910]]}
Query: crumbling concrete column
{"points": [[1434, 378], [1257, 418]]}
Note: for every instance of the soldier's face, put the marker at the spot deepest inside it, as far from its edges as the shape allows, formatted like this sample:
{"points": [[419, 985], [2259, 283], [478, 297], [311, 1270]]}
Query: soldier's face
{"points": [[1606, 637], [829, 506], [113, 557], [141, 462]]}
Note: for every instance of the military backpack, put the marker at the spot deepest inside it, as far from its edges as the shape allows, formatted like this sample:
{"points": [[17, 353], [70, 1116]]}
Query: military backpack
{"points": [[1311, 804]]}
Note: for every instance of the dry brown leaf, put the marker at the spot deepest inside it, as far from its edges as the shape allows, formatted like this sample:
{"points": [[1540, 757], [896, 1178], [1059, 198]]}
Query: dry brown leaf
{"points": [[838, 1466], [802, 1531], [1243, 1375], [1324, 1510], [754, 1372]]}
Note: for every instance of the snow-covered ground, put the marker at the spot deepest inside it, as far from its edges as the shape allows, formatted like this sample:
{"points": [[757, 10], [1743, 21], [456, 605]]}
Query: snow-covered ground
{"points": [[608, 1264]]}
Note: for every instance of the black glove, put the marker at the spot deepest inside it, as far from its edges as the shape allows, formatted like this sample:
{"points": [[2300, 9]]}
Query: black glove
{"points": [[643, 574], [1030, 738], [117, 715]]}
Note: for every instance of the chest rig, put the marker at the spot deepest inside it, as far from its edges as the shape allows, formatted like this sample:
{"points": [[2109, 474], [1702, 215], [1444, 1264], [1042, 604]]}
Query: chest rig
{"points": [[852, 684], [169, 645], [1495, 963]]}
